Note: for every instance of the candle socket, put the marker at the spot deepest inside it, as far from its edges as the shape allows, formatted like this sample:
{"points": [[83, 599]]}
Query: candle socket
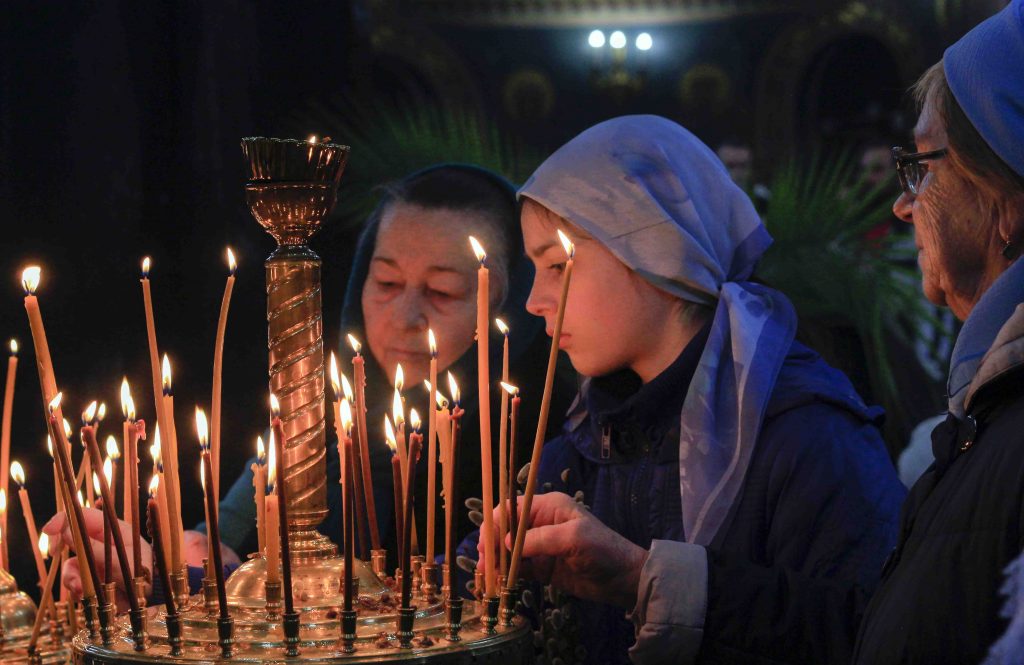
{"points": [[179, 587], [273, 595], [478, 583], [107, 624], [137, 617], [406, 615], [210, 601], [378, 562], [173, 622], [446, 591], [417, 562], [453, 619], [348, 631], [225, 635], [35, 656], [90, 609], [428, 576], [291, 634], [139, 584], [490, 617], [57, 623], [398, 580], [509, 599]]}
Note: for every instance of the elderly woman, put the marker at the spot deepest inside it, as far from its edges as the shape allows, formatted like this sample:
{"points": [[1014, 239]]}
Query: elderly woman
{"points": [[963, 190], [703, 428]]}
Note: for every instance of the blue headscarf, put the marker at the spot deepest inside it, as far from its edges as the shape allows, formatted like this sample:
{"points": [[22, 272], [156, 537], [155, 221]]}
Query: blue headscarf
{"points": [[663, 203]]}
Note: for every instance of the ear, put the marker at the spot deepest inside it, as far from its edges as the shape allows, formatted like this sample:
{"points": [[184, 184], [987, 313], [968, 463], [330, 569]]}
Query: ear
{"points": [[1011, 224]]}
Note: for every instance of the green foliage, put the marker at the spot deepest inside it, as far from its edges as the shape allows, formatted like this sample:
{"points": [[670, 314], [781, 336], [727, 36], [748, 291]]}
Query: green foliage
{"points": [[857, 298], [391, 141]]}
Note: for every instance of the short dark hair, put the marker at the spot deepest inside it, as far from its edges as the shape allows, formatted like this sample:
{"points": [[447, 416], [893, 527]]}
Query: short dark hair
{"points": [[986, 170]]}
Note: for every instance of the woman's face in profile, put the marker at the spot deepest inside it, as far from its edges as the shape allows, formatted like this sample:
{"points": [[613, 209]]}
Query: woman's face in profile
{"points": [[422, 275]]}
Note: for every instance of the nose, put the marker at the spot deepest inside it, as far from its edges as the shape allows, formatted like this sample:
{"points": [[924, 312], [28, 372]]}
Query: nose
{"points": [[903, 208], [411, 312], [537, 303]]}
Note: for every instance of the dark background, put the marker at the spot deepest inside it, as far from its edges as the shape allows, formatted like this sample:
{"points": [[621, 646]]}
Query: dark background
{"points": [[120, 122]]}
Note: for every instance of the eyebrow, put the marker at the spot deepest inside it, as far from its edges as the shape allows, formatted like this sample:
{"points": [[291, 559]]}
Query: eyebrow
{"points": [[394, 264], [539, 251]]}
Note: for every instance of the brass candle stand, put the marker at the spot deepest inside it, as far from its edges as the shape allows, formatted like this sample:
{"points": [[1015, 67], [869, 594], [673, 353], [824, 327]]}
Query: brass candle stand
{"points": [[17, 616], [292, 188]]}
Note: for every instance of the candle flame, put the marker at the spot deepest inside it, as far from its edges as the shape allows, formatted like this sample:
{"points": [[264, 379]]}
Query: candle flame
{"points": [[67, 428], [232, 264], [275, 406], [261, 451], [155, 450], [414, 420], [389, 435], [90, 412], [96, 484], [397, 409], [101, 413], [202, 476], [14, 347], [112, 451], [312, 139], [49, 445], [55, 402], [44, 544], [165, 375], [354, 343], [18, 473], [454, 388], [30, 279], [81, 499], [202, 429], [399, 378], [510, 389], [146, 262], [108, 470], [478, 249], [3, 500], [570, 249], [346, 417], [333, 373], [154, 485], [127, 403], [271, 465], [346, 388], [432, 343], [501, 326]]}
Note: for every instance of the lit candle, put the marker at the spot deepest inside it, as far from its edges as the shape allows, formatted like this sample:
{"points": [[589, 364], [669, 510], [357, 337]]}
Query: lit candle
{"points": [[542, 419], [113, 454], [282, 492], [503, 461], [358, 462], [339, 432], [156, 452], [396, 479], [218, 363], [451, 490], [173, 479], [3, 518], [156, 533], [133, 430], [108, 544], [483, 384], [5, 438], [46, 600], [510, 490], [415, 443], [154, 363], [273, 517], [206, 476], [259, 482], [431, 448], [89, 440], [349, 490], [359, 417], [18, 474]]}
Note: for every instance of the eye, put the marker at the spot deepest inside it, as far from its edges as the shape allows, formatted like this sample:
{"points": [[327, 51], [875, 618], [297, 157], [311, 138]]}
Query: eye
{"points": [[557, 268], [443, 296]]}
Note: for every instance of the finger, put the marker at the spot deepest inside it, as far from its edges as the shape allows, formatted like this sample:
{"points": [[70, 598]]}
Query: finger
{"points": [[71, 577], [554, 540], [55, 525], [550, 508], [93, 523]]}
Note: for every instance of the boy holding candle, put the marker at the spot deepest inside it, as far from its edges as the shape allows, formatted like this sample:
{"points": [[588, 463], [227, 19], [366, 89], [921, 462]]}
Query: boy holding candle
{"points": [[703, 429]]}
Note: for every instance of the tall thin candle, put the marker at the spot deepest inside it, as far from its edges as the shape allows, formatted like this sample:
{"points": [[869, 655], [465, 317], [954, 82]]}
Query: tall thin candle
{"points": [[134, 429], [396, 480], [156, 452], [483, 293], [415, 443], [108, 543], [171, 467], [45, 601], [503, 461], [431, 449], [154, 361], [259, 482], [18, 474], [349, 489], [156, 534], [273, 517], [359, 375], [452, 496], [282, 493], [202, 432], [513, 436], [542, 420], [218, 364], [5, 438]]}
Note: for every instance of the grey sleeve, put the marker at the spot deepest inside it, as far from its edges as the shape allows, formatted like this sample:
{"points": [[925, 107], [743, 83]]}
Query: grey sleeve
{"points": [[671, 604], [237, 511]]}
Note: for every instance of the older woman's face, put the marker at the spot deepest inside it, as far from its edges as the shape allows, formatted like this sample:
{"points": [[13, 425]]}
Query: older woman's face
{"points": [[957, 240], [422, 275]]}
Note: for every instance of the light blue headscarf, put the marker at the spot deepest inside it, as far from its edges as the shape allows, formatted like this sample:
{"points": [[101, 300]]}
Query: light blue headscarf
{"points": [[663, 203]]}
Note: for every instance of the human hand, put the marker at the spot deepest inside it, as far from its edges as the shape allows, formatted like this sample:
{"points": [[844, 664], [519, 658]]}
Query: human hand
{"points": [[197, 548], [59, 531], [570, 548]]}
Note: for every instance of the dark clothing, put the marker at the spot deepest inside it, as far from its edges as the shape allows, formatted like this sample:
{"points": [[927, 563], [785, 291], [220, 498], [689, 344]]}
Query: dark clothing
{"points": [[938, 600], [821, 496]]}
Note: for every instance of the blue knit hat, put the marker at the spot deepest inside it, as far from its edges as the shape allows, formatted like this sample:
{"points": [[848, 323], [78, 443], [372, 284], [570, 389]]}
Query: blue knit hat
{"points": [[985, 71]]}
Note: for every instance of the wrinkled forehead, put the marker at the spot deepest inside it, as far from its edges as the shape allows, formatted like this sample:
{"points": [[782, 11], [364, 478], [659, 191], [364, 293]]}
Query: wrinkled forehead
{"points": [[929, 129]]}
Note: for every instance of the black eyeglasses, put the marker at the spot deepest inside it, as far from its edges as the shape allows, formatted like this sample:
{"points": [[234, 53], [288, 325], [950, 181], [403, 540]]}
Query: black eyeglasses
{"points": [[912, 167]]}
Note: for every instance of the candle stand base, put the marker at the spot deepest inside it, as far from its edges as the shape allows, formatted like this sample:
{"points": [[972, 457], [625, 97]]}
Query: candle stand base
{"points": [[379, 562], [108, 610], [429, 580], [137, 619], [348, 631], [179, 587], [490, 615], [291, 634], [173, 622], [509, 599], [453, 619], [406, 616], [225, 636]]}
